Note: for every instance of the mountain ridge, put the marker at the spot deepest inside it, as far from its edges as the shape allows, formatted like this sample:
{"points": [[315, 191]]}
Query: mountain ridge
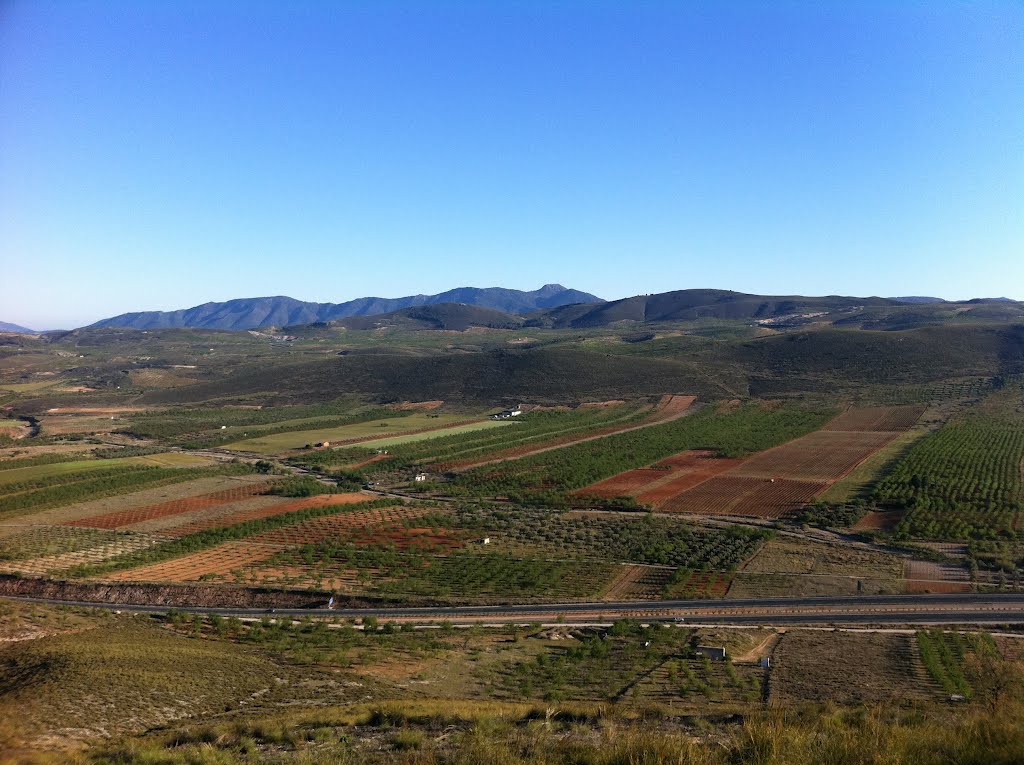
{"points": [[6, 326], [281, 310]]}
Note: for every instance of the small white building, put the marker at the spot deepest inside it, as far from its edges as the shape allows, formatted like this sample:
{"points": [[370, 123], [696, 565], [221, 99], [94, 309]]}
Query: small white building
{"points": [[420, 477], [507, 413]]}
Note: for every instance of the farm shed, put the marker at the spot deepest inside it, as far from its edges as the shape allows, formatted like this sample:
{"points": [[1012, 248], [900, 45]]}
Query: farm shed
{"points": [[715, 653]]}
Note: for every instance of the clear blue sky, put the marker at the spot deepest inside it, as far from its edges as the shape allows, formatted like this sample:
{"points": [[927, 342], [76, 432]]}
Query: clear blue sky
{"points": [[156, 155]]}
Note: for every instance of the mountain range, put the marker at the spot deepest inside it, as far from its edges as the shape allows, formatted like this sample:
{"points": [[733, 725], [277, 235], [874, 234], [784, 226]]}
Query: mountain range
{"points": [[256, 313], [6, 326]]}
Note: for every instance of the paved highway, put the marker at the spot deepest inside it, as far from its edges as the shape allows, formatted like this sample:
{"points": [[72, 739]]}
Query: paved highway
{"points": [[968, 608]]}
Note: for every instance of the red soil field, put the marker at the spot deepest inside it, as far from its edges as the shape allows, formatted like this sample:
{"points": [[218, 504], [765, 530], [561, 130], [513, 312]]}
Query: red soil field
{"points": [[135, 515], [770, 484], [285, 506], [339, 526], [919, 587], [707, 585], [877, 419], [757, 497], [401, 538], [683, 481], [878, 520], [819, 456]]}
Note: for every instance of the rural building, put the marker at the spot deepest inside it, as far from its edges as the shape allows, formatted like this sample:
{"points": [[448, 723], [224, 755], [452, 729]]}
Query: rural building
{"points": [[715, 653], [505, 414], [420, 477]]}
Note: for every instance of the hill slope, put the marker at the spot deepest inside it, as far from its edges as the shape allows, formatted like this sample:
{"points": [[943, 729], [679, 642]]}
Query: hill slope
{"points": [[254, 313], [8, 327]]}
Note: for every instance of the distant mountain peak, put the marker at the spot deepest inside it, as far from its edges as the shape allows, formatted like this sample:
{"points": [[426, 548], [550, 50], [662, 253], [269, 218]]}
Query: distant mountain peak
{"points": [[8, 327], [281, 310]]}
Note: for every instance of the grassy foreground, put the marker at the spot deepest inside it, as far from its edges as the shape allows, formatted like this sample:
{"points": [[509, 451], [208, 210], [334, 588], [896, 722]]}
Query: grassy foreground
{"points": [[436, 733]]}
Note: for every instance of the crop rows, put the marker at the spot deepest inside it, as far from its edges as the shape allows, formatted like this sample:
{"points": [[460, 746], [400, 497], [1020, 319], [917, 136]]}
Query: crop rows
{"points": [[544, 477], [123, 518], [668, 409], [877, 419], [337, 526], [125, 479], [531, 427], [771, 484], [965, 480], [735, 495], [274, 508], [627, 539]]}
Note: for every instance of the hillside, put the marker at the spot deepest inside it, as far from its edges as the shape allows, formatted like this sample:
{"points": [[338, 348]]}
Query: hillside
{"points": [[254, 313], [778, 311], [8, 327], [446, 316]]}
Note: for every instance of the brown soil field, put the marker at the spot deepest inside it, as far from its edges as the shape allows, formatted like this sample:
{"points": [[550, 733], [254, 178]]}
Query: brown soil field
{"points": [[756, 497], [217, 561], [877, 418], [309, 577], [267, 510], [771, 484], [335, 526], [203, 519], [913, 586], [819, 456], [878, 520], [403, 538], [635, 582], [817, 666], [927, 576], [699, 584], [135, 515], [61, 515]]}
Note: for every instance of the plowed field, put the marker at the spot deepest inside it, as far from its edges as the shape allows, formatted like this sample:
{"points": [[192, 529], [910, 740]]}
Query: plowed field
{"points": [[217, 561], [729, 495], [337, 526], [266, 511], [122, 518], [771, 484], [877, 419]]}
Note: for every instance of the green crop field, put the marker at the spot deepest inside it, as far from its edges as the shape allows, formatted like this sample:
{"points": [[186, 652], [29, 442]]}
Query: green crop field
{"points": [[473, 427], [546, 477], [387, 426], [964, 481], [532, 428], [44, 471]]}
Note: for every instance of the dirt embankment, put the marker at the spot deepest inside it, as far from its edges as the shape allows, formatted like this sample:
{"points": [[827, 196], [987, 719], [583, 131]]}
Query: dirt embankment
{"points": [[169, 595]]}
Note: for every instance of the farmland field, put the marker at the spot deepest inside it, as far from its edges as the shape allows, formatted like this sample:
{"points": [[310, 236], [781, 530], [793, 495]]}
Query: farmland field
{"points": [[167, 459], [770, 484], [965, 480], [390, 441], [359, 432], [543, 477]]}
